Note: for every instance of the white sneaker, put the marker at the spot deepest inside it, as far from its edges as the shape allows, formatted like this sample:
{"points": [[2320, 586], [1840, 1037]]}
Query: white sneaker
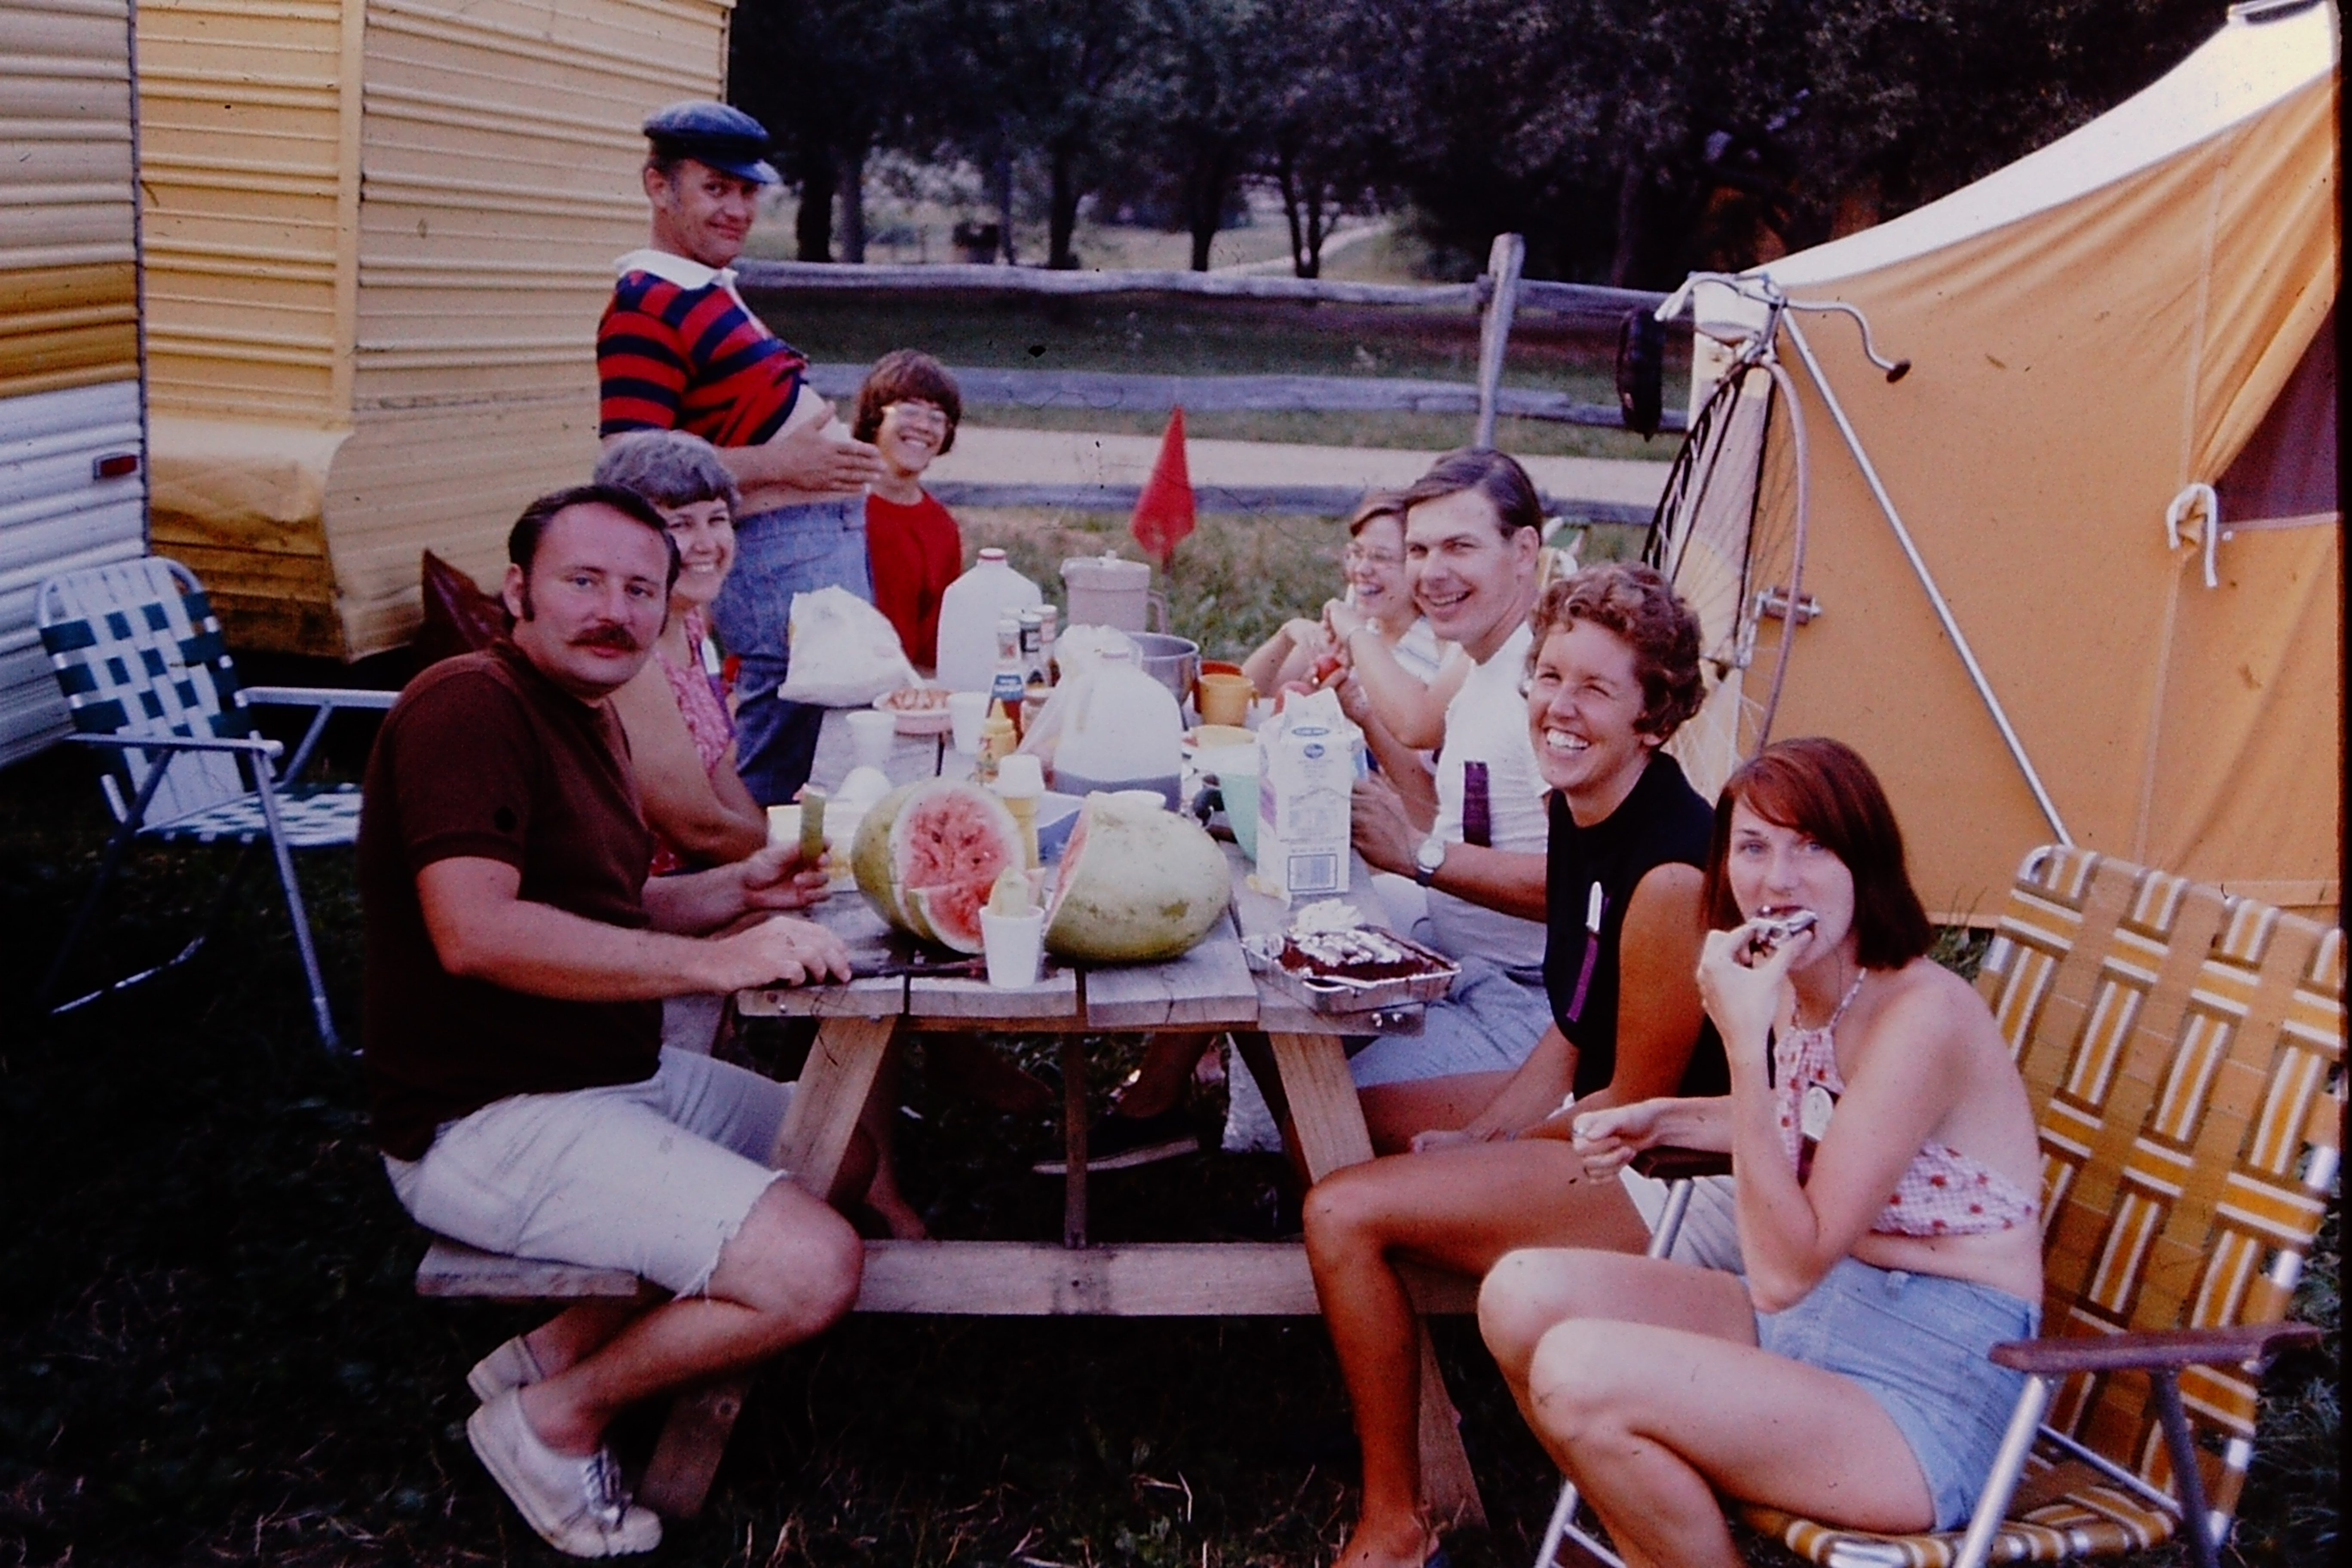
{"points": [[511, 1366], [575, 1504]]}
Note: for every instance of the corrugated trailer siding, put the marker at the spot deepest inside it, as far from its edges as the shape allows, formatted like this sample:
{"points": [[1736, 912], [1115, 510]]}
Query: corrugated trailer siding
{"points": [[499, 179], [69, 279], [68, 327], [240, 106]]}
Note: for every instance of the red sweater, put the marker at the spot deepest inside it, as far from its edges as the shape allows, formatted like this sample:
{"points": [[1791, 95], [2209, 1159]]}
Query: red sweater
{"points": [[915, 552]]}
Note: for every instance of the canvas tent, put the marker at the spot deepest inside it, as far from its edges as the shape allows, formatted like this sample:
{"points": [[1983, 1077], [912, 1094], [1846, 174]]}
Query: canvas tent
{"points": [[2143, 307]]}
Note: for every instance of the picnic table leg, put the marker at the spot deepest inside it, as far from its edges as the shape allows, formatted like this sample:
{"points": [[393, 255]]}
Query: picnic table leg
{"points": [[686, 1455], [834, 1089], [1328, 1123]]}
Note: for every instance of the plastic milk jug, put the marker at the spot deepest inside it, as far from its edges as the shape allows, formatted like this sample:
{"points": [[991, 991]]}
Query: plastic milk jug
{"points": [[1124, 731], [969, 612], [1306, 776]]}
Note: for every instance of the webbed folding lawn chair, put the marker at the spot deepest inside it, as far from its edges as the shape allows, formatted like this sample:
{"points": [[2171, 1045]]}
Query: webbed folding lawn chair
{"points": [[2184, 1051], [141, 660]]}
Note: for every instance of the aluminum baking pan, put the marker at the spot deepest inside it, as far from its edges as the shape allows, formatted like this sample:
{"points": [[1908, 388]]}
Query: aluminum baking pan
{"points": [[1336, 994]]}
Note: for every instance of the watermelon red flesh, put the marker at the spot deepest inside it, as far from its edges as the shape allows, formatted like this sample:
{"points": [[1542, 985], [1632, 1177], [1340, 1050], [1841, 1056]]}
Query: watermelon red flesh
{"points": [[947, 842]]}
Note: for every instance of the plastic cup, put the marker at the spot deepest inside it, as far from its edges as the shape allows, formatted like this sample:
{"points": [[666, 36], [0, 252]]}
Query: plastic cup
{"points": [[1224, 698], [967, 712], [1240, 793], [1014, 946], [871, 735]]}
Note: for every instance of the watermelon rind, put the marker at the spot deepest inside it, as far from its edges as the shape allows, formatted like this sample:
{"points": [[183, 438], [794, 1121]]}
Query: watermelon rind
{"points": [[1138, 885]]}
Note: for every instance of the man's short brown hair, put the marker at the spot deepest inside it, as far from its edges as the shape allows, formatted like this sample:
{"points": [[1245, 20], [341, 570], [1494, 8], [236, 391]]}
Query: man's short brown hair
{"points": [[1494, 475], [1639, 606], [906, 375]]}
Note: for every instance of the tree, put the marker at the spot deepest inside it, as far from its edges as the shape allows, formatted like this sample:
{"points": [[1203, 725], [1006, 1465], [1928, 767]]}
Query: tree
{"points": [[1327, 145], [832, 79], [1043, 77]]}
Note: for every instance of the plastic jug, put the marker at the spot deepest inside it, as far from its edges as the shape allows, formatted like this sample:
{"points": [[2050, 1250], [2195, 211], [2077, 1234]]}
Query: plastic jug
{"points": [[1108, 591], [1124, 731], [969, 612]]}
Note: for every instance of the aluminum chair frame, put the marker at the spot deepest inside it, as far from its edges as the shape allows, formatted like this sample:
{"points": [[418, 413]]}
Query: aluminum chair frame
{"points": [[199, 667]]}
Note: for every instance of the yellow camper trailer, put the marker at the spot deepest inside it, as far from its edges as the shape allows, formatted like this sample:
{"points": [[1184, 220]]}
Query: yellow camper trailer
{"points": [[379, 234], [70, 485]]}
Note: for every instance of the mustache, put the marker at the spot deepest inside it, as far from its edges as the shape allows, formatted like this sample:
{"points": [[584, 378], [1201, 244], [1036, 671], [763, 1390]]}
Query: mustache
{"points": [[620, 639]]}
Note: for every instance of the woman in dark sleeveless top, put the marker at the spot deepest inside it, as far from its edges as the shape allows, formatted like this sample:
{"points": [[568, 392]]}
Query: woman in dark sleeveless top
{"points": [[1613, 672]]}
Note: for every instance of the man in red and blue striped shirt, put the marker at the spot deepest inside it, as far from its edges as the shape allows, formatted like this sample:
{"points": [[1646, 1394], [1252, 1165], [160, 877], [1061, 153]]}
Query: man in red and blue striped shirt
{"points": [[678, 350]]}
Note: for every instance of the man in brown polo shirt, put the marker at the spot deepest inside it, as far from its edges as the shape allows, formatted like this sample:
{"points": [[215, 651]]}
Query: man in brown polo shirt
{"points": [[517, 954]]}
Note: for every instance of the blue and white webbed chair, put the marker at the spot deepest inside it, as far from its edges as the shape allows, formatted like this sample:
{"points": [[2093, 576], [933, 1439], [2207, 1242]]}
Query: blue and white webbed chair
{"points": [[149, 680]]}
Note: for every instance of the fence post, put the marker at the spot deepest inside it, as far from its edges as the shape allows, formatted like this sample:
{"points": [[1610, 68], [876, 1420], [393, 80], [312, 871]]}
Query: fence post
{"points": [[1503, 265]]}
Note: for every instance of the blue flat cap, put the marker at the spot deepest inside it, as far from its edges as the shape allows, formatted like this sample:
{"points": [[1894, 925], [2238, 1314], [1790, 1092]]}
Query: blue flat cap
{"points": [[718, 134]]}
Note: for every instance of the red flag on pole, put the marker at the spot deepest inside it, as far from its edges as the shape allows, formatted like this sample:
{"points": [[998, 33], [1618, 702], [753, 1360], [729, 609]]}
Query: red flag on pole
{"points": [[1163, 512]]}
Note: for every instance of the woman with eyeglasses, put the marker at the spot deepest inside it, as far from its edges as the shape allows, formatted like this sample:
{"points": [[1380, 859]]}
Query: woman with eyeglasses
{"points": [[1378, 597]]}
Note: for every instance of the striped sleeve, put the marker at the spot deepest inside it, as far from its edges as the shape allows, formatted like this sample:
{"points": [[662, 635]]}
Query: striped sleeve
{"points": [[642, 362]]}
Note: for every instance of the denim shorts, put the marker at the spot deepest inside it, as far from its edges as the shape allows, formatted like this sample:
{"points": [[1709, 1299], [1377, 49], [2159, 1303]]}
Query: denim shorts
{"points": [[1489, 1022], [791, 550], [653, 1177], [1917, 1344]]}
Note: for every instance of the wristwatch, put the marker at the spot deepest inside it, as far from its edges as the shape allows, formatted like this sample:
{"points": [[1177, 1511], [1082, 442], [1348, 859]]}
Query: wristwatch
{"points": [[1427, 859]]}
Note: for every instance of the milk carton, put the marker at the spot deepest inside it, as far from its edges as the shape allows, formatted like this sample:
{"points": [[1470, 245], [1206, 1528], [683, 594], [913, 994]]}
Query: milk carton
{"points": [[1307, 772]]}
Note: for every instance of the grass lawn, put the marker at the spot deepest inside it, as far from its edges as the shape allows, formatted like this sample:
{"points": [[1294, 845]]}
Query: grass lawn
{"points": [[209, 1349]]}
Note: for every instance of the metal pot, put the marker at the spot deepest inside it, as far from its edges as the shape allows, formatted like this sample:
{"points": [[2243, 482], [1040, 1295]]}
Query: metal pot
{"points": [[1173, 661]]}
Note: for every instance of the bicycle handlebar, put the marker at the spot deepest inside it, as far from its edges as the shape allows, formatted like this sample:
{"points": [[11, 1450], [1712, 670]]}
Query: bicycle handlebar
{"points": [[1759, 288]]}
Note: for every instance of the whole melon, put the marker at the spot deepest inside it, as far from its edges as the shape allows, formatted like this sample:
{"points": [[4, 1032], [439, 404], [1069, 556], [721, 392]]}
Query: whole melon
{"points": [[927, 854], [1138, 884]]}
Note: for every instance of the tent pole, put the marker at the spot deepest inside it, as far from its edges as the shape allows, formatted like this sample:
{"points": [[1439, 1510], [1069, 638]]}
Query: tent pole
{"points": [[1928, 582]]}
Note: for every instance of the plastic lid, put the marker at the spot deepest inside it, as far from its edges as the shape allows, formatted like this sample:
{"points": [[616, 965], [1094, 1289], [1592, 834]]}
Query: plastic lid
{"points": [[992, 552]]}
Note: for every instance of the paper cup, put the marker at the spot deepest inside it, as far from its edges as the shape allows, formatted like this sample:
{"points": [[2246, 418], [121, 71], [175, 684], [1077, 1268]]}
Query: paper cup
{"points": [[1014, 946], [1224, 698], [967, 712], [871, 735]]}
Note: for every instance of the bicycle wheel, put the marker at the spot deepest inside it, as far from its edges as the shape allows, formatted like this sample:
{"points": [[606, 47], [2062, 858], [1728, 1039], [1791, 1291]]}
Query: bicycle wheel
{"points": [[1730, 536]]}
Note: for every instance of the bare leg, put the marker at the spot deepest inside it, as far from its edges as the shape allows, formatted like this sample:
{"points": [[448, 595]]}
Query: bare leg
{"points": [[1393, 1113], [1654, 1422], [788, 1273], [1528, 1292], [577, 1332], [1456, 1209], [1160, 1077], [878, 1121]]}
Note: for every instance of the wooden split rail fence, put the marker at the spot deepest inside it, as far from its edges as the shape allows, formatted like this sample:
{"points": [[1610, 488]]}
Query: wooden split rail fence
{"points": [[1498, 295]]}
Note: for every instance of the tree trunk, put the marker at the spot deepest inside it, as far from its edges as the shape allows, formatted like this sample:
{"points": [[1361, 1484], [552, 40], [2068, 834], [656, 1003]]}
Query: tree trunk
{"points": [[1003, 174], [852, 172], [1204, 203], [1062, 215], [1318, 230], [813, 224], [1629, 227], [1302, 263]]}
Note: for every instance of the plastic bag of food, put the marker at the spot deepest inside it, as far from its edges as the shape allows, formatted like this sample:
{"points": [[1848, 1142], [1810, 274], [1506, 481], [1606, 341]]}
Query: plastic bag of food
{"points": [[843, 652]]}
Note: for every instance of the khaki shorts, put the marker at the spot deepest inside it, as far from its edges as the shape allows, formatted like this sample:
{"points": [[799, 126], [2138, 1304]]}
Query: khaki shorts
{"points": [[653, 1177]]}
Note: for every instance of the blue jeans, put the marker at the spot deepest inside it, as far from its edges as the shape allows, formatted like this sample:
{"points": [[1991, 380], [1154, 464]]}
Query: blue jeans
{"points": [[791, 550]]}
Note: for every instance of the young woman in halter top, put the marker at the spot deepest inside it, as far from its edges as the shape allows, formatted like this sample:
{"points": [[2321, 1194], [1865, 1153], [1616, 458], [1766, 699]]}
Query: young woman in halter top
{"points": [[1887, 1187]]}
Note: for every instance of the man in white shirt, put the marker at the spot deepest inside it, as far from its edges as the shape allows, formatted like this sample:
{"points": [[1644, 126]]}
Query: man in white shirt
{"points": [[1474, 535]]}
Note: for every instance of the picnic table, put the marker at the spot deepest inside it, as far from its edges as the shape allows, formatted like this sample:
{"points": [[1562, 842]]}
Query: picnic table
{"points": [[1295, 1054]]}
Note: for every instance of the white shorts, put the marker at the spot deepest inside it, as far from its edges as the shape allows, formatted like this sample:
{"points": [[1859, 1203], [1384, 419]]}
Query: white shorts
{"points": [[654, 1177]]}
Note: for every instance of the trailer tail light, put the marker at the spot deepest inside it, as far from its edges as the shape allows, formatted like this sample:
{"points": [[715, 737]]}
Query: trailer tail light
{"points": [[114, 466]]}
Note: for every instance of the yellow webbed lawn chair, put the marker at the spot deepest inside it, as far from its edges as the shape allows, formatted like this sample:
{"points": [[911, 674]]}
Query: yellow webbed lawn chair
{"points": [[2184, 1052]]}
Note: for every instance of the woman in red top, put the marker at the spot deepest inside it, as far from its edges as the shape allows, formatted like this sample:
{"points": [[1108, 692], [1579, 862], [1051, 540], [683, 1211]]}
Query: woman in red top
{"points": [[908, 408]]}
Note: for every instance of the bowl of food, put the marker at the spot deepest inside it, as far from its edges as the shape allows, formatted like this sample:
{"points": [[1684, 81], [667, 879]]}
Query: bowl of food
{"points": [[919, 709]]}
